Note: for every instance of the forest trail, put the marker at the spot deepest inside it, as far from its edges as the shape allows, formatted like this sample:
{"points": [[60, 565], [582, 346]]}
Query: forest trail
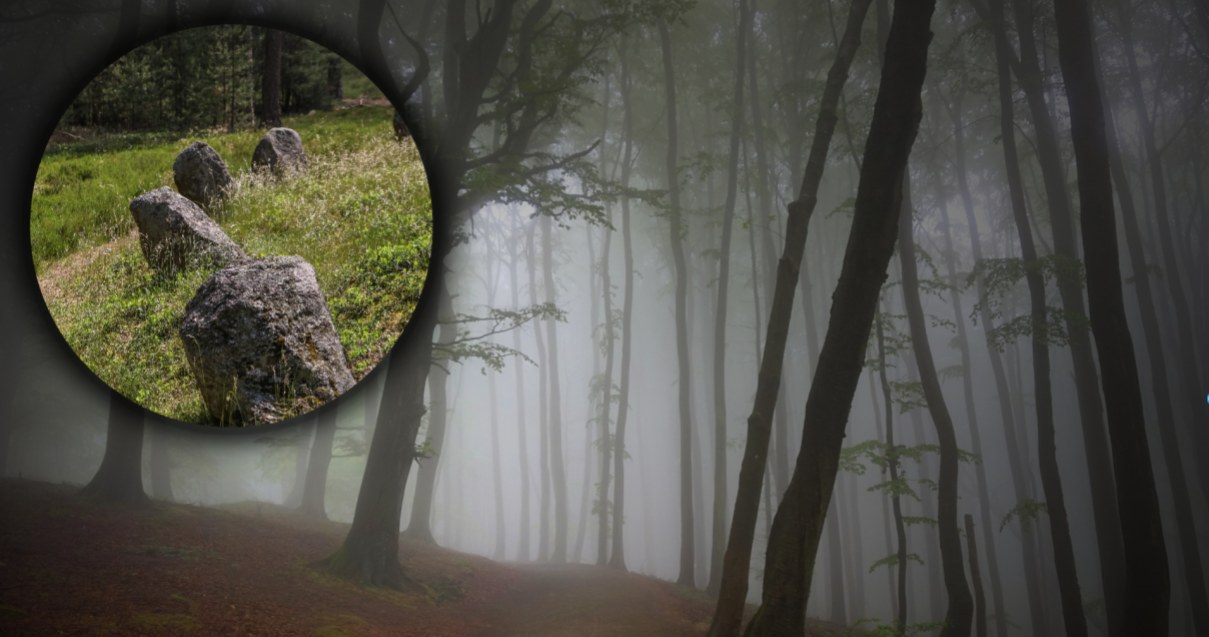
{"points": [[69, 565]]}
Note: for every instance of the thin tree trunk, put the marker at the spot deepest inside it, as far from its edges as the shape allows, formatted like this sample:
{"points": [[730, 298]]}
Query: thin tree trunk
{"points": [[967, 382], [558, 471], [314, 489], [1194, 578], [675, 229], [543, 534], [1147, 585], [617, 557], [1095, 438], [980, 601], [419, 526], [835, 565], [718, 531], [798, 522], [900, 528], [1021, 473], [498, 486], [521, 420], [960, 610], [728, 615], [270, 89], [606, 398]]}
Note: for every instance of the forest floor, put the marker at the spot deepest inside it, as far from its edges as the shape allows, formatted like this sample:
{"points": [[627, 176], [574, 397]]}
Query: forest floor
{"points": [[72, 566]]}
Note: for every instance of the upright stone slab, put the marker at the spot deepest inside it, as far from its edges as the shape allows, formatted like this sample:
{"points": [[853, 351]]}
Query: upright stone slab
{"points": [[280, 150], [261, 344], [176, 233], [201, 174]]}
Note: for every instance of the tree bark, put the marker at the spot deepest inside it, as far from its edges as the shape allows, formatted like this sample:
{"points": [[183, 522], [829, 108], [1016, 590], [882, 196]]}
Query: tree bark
{"points": [[728, 615], [900, 528], [419, 524], [558, 472], [676, 229], [718, 527], [798, 522], [980, 600], [1147, 585], [270, 88], [606, 402], [960, 611], [617, 556], [314, 491], [522, 422]]}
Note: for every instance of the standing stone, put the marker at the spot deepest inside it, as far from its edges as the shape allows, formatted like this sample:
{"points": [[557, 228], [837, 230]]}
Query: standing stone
{"points": [[261, 344], [280, 150], [201, 174], [175, 233]]}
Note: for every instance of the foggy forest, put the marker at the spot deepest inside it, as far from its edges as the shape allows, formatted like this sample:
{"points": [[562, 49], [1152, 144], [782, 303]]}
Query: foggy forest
{"points": [[745, 317]]}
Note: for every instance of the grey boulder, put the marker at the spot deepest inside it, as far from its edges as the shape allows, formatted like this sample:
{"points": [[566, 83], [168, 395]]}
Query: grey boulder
{"points": [[201, 174], [280, 150], [261, 344], [175, 234]]}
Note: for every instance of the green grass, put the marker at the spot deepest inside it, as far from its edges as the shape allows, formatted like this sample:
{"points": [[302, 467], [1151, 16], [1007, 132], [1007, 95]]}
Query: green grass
{"points": [[360, 215]]}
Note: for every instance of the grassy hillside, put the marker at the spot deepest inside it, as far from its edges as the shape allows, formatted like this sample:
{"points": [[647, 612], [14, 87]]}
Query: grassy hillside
{"points": [[361, 215]]}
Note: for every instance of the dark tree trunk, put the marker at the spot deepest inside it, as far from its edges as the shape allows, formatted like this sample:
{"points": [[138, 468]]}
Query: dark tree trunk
{"points": [[1147, 585], [718, 527], [835, 565], [521, 420], [675, 230], [270, 88], [606, 402], [1095, 438], [1194, 578], [558, 472], [1021, 473], [967, 376], [728, 615], [617, 556], [314, 491], [980, 600], [798, 522], [335, 77], [498, 486], [900, 528], [120, 477], [960, 612], [543, 387], [419, 524]]}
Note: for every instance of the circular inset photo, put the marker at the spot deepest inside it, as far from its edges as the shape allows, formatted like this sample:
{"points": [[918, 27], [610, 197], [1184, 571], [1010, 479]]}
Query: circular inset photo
{"points": [[231, 226]]}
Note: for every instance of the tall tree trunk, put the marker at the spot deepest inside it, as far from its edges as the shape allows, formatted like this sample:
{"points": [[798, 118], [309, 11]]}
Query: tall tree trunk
{"points": [[543, 388], [1095, 438], [1146, 575], [835, 565], [120, 477], [1018, 465], [900, 528], [498, 482], [419, 525], [718, 530], [558, 472], [675, 230], [521, 421], [606, 402], [270, 88], [967, 379], [1194, 578], [302, 454], [960, 612], [798, 522], [314, 491], [980, 600], [732, 597], [617, 556]]}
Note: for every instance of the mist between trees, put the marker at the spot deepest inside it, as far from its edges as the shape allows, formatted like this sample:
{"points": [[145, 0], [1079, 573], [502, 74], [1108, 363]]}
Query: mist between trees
{"points": [[976, 258]]}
